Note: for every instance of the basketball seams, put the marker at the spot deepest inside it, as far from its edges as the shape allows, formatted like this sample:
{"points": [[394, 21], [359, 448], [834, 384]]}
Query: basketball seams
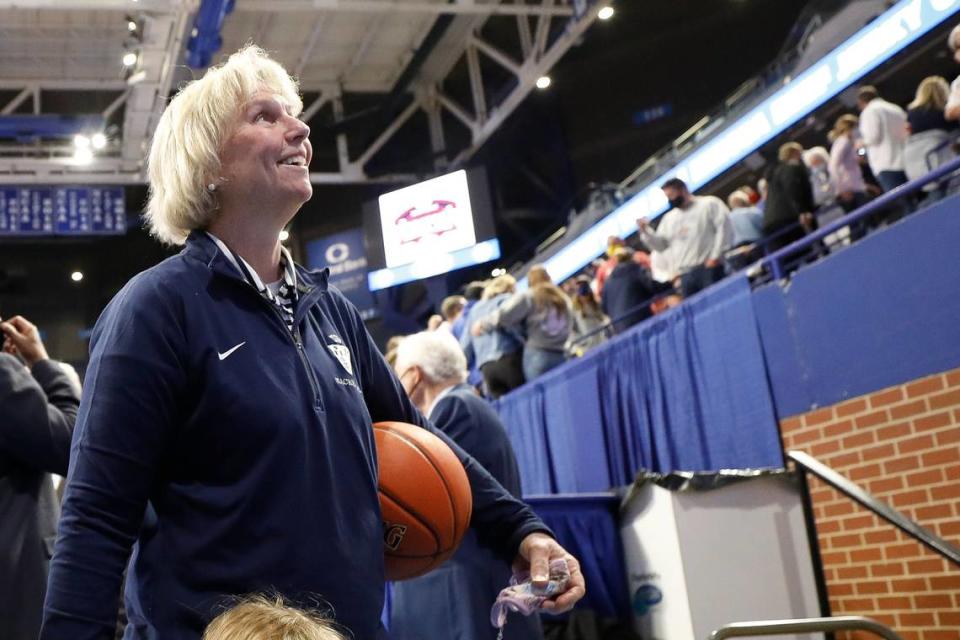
{"points": [[433, 463], [423, 521]]}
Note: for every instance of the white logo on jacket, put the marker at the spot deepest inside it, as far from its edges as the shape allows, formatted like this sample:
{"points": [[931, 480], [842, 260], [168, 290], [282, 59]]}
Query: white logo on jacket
{"points": [[342, 354]]}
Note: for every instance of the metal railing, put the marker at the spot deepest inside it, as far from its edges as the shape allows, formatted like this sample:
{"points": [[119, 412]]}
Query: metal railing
{"points": [[808, 625], [809, 464], [774, 261]]}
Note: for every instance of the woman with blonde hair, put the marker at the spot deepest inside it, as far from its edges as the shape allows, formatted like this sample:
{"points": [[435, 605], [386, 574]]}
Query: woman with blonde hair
{"points": [[928, 145], [497, 354], [543, 314], [844, 167], [232, 392]]}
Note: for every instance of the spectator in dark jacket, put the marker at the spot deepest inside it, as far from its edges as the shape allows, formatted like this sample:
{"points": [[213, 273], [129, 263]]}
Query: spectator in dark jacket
{"points": [[39, 408], [789, 198], [432, 368], [628, 287]]}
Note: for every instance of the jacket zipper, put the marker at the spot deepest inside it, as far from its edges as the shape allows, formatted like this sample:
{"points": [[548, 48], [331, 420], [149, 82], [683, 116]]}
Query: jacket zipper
{"points": [[298, 344]]}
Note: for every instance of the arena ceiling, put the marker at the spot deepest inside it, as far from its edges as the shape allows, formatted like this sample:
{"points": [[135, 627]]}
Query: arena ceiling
{"points": [[453, 71]]}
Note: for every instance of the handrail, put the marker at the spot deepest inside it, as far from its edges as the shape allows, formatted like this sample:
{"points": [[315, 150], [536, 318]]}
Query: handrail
{"points": [[773, 260], [882, 509], [608, 326], [808, 625]]}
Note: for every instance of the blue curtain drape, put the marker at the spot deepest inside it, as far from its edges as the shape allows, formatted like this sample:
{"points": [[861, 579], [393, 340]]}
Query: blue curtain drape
{"points": [[588, 527], [685, 390]]}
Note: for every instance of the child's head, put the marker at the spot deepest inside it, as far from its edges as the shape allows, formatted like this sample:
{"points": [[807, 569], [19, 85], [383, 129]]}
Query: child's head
{"points": [[262, 618]]}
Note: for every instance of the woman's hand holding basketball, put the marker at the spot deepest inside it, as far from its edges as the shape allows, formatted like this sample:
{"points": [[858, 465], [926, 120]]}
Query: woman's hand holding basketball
{"points": [[536, 551]]}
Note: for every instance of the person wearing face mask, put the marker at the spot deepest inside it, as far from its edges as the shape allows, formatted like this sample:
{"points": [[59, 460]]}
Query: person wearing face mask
{"points": [[693, 236], [432, 368], [233, 393]]}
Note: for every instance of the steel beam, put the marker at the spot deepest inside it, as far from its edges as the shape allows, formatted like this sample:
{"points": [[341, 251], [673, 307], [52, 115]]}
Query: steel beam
{"points": [[496, 55], [17, 101]]}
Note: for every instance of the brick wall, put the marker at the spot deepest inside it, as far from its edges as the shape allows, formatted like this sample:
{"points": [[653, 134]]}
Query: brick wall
{"points": [[903, 445]]}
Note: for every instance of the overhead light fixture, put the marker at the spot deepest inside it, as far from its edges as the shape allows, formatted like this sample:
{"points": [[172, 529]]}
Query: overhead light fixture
{"points": [[129, 59], [81, 141], [284, 235], [543, 82], [83, 155], [605, 13], [131, 25], [98, 140], [76, 276], [498, 272]]}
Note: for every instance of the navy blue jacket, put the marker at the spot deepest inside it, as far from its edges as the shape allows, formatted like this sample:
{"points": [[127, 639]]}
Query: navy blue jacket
{"points": [[627, 286], [253, 446], [454, 600]]}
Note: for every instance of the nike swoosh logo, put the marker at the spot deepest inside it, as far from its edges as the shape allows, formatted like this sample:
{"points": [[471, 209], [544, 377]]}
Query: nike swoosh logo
{"points": [[226, 354]]}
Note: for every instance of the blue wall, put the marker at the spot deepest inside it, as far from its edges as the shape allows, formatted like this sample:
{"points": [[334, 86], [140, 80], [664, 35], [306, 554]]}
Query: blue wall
{"points": [[877, 314], [702, 386]]}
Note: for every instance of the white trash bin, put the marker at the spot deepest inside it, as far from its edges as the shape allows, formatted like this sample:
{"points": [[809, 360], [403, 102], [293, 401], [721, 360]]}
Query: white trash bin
{"points": [[716, 549]]}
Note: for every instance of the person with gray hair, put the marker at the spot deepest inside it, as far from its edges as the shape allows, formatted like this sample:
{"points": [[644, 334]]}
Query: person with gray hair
{"points": [[432, 369], [232, 392], [746, 219]]}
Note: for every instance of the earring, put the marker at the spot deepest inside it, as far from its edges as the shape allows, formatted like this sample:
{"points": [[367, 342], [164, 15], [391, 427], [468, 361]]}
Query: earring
{"points": [[211, 187]]}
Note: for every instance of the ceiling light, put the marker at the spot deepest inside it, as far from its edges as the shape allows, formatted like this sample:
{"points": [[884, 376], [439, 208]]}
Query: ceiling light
{"points": [[543, 82], [605, 13], [129, 59], [131, 26], [81, 141], [76, 276], [284, 235], [83, 156], [498, 272], [98, 140]]}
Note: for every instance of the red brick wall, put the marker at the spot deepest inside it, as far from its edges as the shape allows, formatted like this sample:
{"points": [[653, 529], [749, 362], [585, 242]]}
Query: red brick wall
{"points": [[903, 445]]}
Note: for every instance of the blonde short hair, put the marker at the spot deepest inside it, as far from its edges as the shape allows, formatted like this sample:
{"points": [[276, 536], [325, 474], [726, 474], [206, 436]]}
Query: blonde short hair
{"points": [[262, 618], [932, 93], [501, 284], [185, 153], [789, 150]]}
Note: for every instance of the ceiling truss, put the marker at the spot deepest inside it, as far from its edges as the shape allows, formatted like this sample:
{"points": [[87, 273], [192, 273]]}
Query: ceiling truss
{"points": [[166, 27]]}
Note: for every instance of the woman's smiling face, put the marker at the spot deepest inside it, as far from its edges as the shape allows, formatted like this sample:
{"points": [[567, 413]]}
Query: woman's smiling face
{"points": [[268, 154]]}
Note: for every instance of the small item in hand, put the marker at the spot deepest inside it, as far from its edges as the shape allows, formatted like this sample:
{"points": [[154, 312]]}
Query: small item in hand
{"points": [[523, 597]]}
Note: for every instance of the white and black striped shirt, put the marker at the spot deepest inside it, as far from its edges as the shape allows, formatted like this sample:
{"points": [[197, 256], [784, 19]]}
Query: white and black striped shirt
{"points": [[282, 293]]}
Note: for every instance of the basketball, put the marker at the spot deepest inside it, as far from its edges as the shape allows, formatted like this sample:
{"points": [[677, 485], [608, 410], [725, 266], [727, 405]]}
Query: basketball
{"points": [[424, 499]]}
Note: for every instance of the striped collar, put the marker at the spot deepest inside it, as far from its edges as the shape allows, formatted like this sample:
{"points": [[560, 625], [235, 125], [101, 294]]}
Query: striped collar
{"points": [[249, 274]]}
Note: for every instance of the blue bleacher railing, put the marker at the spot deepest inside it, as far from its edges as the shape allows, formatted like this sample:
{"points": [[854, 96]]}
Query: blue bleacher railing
{"points": [[774, 261]]}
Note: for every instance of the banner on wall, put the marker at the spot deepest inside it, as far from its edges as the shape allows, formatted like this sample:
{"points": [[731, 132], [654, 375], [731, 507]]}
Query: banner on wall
{"points": [[344, 254]]}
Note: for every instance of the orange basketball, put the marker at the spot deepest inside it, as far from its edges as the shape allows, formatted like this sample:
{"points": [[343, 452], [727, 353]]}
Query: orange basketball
{"points": [[424, 498]]}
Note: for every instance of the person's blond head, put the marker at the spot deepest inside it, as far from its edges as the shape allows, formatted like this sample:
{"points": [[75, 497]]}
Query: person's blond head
{"points": [[738, 200], [790, 151], [261, 618], [501, 284], [932, 93], [538, 274], [185, 152], [844, 125]]}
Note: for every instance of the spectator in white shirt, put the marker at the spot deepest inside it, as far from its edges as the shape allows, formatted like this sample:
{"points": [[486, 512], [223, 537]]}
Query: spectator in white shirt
{"points": [[693, 236], [952, 110], [883, 130]]}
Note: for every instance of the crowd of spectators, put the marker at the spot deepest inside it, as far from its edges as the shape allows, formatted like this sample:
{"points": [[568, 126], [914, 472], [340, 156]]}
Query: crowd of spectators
{"points": [[510, 337]]}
